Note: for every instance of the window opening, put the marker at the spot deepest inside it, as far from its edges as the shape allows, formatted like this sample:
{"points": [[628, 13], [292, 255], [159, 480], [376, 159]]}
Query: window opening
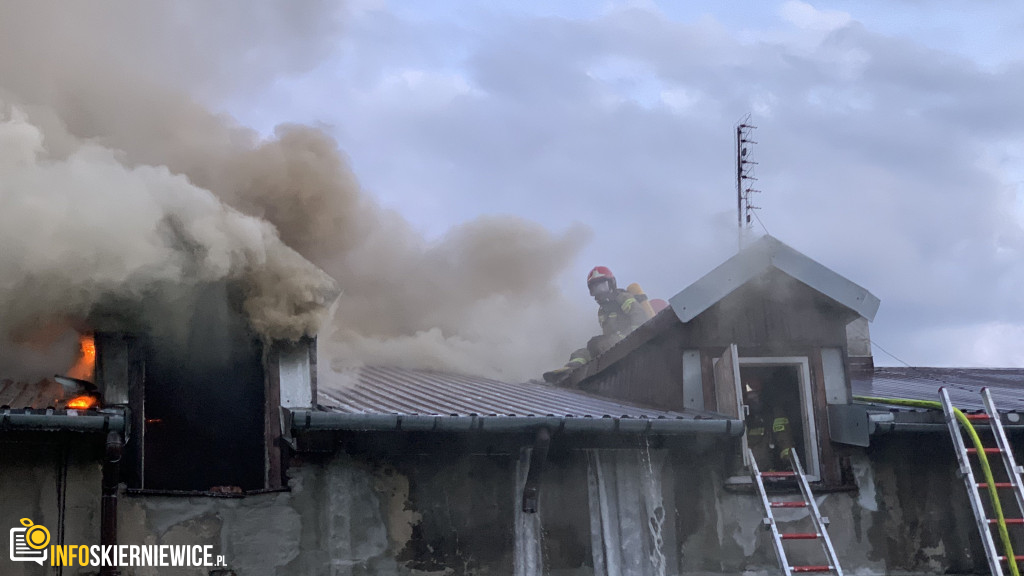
{"points": [[204, 402]]}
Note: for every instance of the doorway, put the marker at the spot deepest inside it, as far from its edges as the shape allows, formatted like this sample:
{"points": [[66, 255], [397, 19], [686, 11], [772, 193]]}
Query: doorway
{"points": [[784, 407]]}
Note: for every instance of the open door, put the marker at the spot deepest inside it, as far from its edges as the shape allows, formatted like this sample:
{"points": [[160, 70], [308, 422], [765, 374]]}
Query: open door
{"points": [[728, 390]]}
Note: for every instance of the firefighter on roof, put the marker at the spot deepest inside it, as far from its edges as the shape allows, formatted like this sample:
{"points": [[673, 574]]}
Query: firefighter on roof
{"points": [[619, 313]]}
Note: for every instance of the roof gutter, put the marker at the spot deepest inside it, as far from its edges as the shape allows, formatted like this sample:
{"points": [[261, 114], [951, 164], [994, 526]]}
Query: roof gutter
{"points": [[10, 421], [310, 420], [879, 428]]}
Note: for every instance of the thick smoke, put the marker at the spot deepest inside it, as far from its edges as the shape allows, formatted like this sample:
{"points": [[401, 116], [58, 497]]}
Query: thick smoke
{"points": [[119, 185], [85, 229]]}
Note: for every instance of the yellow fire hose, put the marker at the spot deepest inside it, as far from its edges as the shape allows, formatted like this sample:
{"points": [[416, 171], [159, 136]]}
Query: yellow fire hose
{"points": [[993, 494]]}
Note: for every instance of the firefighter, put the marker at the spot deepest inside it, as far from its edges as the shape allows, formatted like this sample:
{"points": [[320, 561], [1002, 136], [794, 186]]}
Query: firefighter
{"points": [[618, 312], [576, 359], [769, 432]]}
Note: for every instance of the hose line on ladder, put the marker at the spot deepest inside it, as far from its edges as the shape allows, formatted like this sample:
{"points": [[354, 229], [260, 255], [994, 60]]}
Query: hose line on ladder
{"points": [[993, 493]]}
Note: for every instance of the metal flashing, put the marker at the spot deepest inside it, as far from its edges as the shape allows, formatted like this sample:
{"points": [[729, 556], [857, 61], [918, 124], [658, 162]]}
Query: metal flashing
{"points": [[766, 253]]}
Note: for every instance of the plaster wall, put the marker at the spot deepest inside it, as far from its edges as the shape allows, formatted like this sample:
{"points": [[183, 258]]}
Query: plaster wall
{"points": [[454, 514], [54, 481], [908, 515]]}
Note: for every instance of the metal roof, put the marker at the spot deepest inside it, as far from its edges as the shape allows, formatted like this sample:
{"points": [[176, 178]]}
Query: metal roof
{"points": [[381, 390], [963, 384], [384, 398], [34, 407], [43, 394], [754, 260]]}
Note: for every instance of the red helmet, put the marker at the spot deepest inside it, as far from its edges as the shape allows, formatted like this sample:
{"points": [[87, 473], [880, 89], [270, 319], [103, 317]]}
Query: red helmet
{"points": [[598, 274]]}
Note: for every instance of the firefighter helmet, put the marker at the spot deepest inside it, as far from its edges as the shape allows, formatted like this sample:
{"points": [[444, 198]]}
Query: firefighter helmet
{"points": [[599, 274]]}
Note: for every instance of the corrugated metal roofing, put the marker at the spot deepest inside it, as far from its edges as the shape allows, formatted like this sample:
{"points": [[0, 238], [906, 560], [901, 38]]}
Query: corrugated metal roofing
{"points": [[963, 384], [43, 394], [39, 407], [378, 390]]}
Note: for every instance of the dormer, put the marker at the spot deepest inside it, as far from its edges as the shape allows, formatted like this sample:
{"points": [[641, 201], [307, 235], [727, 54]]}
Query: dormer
{"points": [[768, 313]]}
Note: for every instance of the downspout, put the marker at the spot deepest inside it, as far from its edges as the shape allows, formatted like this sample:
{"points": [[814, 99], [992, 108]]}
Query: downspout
{"points": [[108, 501], [539, 455]]}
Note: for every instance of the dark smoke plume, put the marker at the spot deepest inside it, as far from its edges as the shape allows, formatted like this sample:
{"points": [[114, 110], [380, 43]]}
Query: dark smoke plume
{"points": [[118, 184]]}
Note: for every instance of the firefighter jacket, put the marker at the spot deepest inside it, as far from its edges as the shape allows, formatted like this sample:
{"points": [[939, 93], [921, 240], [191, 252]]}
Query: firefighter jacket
{"points": [[619, 314], [770, 437]]}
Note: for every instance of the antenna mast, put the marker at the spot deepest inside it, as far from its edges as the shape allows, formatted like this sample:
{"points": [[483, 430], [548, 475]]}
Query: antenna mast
{"points": [[744, 177]]}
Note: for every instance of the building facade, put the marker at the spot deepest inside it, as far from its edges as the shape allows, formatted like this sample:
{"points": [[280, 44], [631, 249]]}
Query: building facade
{"points": [[635, 465]]}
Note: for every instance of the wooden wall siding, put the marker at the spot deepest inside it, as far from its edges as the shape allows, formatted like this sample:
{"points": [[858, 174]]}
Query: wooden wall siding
{"points": [[773, 313], [650, 375], [273, 477], [830, 474], [707, 375]]}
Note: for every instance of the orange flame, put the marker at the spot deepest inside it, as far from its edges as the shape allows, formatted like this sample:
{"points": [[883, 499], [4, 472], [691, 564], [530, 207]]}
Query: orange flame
{"points": [[84, 402], [84, 368]]}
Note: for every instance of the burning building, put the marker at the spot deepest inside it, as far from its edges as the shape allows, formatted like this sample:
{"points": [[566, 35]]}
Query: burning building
{"points": [[212, 435]]}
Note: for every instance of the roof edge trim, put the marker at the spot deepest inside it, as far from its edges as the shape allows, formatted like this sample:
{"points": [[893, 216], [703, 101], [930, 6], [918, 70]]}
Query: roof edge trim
{"points": [[769, 252]]}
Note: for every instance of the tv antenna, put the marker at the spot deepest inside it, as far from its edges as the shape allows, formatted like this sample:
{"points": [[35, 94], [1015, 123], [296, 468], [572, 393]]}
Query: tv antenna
{"points": [[744, 177]]}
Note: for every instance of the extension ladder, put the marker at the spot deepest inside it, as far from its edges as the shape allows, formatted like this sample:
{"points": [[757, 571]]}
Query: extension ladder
{"points": [[1013, 472], [820, 532]]}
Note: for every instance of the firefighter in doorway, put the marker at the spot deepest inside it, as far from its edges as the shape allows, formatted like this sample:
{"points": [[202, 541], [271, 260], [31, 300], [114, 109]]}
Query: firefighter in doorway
{"points": [[769, 432]]}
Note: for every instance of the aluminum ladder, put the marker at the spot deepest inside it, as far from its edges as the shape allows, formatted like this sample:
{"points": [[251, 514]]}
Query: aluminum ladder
{"points": [[820, 532], [974, 488]]}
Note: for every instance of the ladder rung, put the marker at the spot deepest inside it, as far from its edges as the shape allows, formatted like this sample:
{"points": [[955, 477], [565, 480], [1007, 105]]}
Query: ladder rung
{"points": [[979, 416], [779, 474], [998, 485], [800, 536], [1017, 521], [811, 568], [987, 451], [789, 504], [1015, 557]]}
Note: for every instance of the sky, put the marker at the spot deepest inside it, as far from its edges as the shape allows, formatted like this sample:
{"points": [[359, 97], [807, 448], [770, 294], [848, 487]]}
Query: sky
{"points": [[457, 168], [890, 144]]}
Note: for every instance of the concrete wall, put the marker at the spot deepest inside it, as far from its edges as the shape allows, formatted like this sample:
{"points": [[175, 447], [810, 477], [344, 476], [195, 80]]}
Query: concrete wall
{"points": [[453, 514], [47, 478], [909, 514]]}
